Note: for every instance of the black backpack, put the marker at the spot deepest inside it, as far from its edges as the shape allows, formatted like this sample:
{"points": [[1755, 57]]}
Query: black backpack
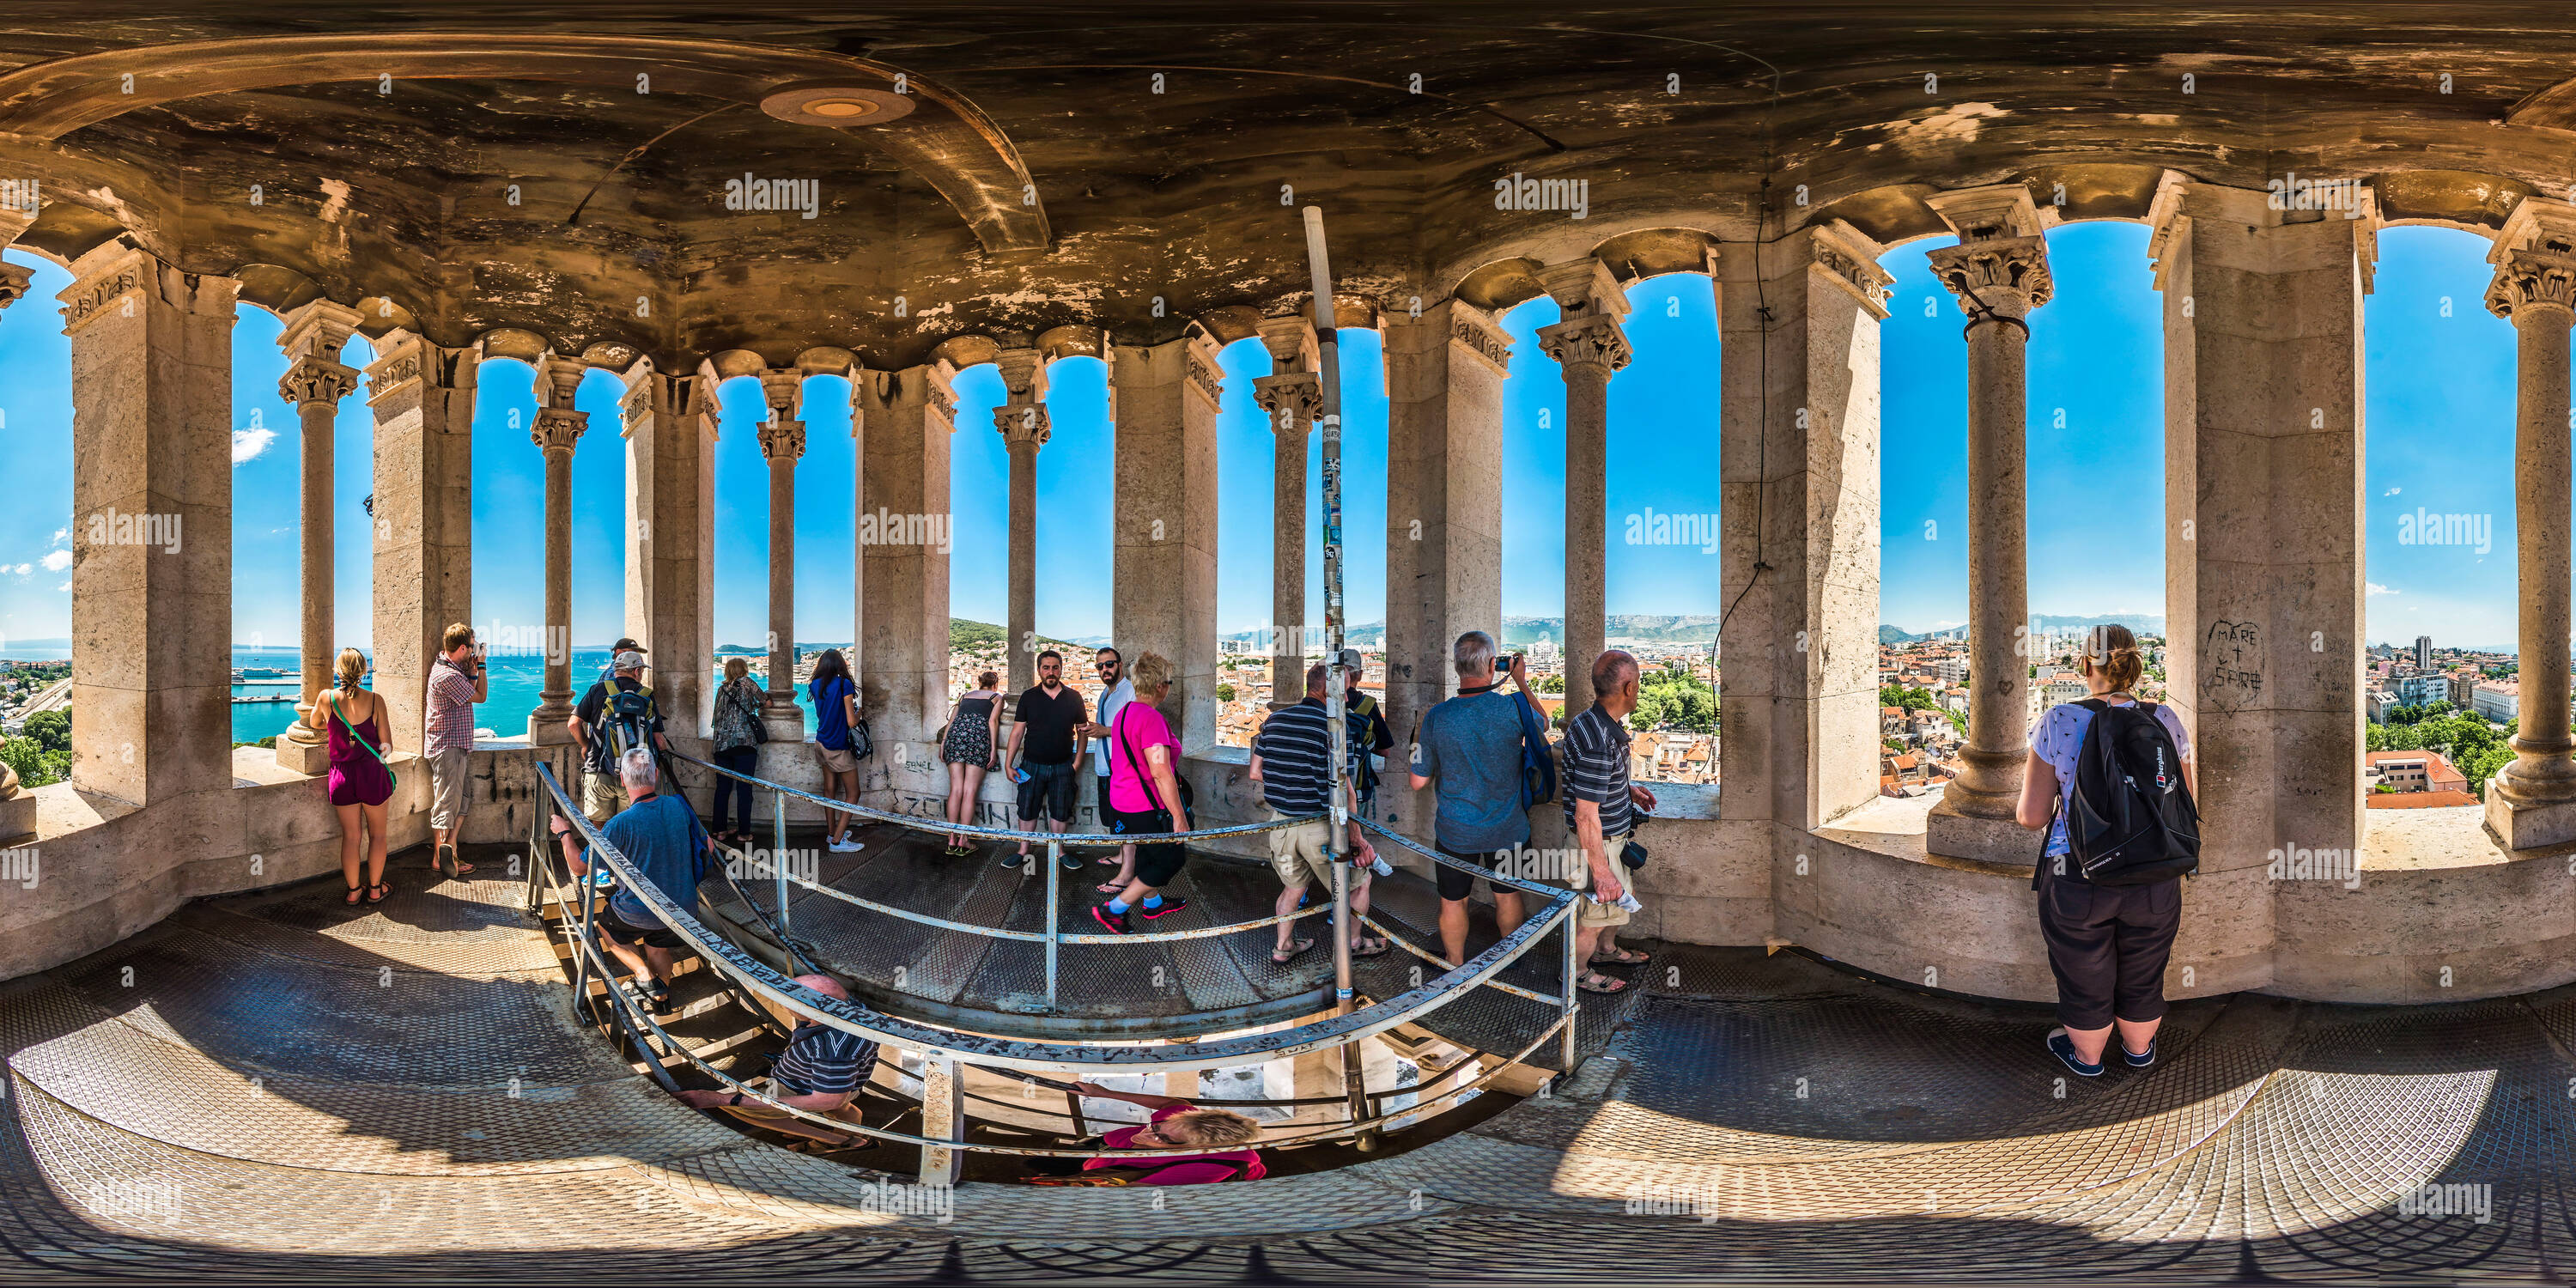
{"points": [[2131, 820]]}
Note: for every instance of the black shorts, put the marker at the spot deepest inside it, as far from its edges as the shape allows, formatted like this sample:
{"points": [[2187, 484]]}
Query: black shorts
{"points": [[2108, 946], [1458, 883], [622, 931], [1156, 864], [1048, 793]]}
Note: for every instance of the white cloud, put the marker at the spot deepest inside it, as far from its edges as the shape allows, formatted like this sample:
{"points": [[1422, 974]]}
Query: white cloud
{"points": [[66, 587], [62, 536], [57, 560], [249, 443], [2377, 589], [2390, 492], [23, 569]]}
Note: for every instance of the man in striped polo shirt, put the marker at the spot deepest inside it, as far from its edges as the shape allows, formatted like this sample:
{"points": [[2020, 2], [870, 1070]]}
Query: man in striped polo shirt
{"points": [[820, 1072], [1600, 815], [1291, 760]]}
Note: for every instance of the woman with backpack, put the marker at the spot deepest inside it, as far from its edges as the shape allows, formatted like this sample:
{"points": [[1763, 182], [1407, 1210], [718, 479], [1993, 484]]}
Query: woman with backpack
{"points": [[737, 747], [2110, 886]]}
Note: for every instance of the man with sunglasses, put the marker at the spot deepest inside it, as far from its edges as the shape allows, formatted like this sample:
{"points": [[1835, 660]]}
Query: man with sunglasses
{"points": [[1112, 669]]}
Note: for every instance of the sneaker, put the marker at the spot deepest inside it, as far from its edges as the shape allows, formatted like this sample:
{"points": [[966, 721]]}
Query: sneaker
{"points": [[1113, 922], [1169, 906], [2063, 1047], [1069, 863], [2139, 1060], [1012, 860], [845, 846]]}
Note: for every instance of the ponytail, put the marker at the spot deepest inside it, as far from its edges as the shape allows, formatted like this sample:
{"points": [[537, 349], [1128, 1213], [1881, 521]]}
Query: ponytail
{"points": [[2113, 651]]}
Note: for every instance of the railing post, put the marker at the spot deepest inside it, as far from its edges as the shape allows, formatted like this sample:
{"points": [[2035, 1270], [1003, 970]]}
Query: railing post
{"points": [[1055, 874], [943, 1117], [1566, 928], [778, 864]]}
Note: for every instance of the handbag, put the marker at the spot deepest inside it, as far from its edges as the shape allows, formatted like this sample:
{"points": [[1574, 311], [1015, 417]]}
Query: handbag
{"points": [[759, 727], [1160, 814]]}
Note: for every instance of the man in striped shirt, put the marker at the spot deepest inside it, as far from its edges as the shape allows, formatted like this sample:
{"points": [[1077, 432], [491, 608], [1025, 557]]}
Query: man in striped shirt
{"points": [[1600, 814], [1291, 759], [820, 1072], [456, 682]]}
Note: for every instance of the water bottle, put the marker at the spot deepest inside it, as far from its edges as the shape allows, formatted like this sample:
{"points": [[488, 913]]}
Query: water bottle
{"points": [[1380, 866]]}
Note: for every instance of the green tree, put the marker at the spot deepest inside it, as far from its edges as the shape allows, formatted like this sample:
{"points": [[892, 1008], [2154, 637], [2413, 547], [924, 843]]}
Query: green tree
{"points": [[1225, 693], [35, 765]]}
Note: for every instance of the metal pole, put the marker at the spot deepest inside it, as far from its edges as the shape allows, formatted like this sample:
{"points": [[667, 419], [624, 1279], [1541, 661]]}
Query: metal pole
{"points": [[778, 866], [1329, 355], [1055, 873], [1571, 1006]]}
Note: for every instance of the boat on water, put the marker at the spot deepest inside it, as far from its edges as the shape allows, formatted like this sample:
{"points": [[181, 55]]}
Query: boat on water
{"points": [[241, 673]]}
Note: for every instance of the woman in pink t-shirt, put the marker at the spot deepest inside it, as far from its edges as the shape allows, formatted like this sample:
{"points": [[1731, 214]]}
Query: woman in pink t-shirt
{"points": [[1145, 797], [1210, 1144]]}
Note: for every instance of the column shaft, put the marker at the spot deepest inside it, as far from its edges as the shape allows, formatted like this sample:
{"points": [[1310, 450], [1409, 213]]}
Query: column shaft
{"points": [[782, 710], [315, 550], [1989, 783], [1023, 452], [554, 702], [2542, 497], [1587, 481], [1163, 582], [904, 419], [423, 397]]}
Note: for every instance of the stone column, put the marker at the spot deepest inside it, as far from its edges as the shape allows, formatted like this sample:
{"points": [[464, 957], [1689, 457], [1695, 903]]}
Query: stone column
{"points": [[2264, 597], [1799, 465], [2534, 800], [559, 427], [423, 397], [1163, 582], [152, 522], [782, 441], [1444, 515], [1999, 273], [1022, 420], [1591, 348], [902, 420], [315, 381], [670, 553], [1293, 396]]}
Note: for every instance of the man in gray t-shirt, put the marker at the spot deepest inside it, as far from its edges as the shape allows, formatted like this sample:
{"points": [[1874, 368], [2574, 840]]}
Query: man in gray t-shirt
{"points": [[1471, 744]]}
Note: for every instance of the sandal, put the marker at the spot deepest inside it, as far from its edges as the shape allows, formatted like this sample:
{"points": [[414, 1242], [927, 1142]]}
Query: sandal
{"points": [[354, 892], [1594, 981], [823, 1148], [1296, 949], [1623, 957], [1366, 947], [1112, 887], [376, 893]]}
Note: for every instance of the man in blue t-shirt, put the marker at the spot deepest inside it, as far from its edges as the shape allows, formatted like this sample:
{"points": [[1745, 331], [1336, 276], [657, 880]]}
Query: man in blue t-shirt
{"points": [[1471, 745], [660, 838]]}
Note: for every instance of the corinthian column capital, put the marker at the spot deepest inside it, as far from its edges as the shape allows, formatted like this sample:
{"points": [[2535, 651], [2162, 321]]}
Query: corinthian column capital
{"points": [[13, 283], [317, 380], [1293, 400], [558, 429], [2535, 261], [1592, 340], [1023, 425], [782, 440], [2000, 266]]}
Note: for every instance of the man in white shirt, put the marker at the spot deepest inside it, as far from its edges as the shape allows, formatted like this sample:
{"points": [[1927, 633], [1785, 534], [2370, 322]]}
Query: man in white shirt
{"points": [[1112, 669]]}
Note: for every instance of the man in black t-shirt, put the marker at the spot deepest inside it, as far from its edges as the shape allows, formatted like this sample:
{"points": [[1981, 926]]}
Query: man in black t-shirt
{"points": [[602, 794], [1043, 746]]}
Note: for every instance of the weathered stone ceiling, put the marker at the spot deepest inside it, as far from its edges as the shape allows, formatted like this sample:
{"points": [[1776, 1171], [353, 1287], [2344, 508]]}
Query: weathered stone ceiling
{"points": [[1850, 111]]}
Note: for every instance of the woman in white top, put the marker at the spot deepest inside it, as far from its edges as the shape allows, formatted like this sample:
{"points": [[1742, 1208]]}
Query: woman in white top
{"points": [[2107, 944]]}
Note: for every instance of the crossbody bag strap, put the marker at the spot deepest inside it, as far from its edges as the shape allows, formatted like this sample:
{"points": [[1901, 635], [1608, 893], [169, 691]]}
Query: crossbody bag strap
{"points": [[343, 718]]}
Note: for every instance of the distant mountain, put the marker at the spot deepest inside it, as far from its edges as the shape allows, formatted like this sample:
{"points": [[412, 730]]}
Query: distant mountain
{"points": [[2138, 623], [1631, 628]]}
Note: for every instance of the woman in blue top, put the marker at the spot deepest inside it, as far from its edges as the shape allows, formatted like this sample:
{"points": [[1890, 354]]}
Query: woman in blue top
{"points": [[836, 712], [2107, 945]]}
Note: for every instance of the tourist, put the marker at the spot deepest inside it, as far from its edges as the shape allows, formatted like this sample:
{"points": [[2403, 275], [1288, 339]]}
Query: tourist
{"points": [[661, 839], [458, 679], [1212, 1145], [1370, 736], [360, 781], [1601, 816], [974, 730], [1471, 746], [737, 748], [1044, 752], [821, 1072], [2107, 944], [1290, 760], [1110, 665], [836, 720], [1145, 793], [617, 714]]}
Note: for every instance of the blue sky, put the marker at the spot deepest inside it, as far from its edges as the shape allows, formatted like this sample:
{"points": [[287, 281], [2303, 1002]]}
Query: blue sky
{"points": [[2440, 411]]}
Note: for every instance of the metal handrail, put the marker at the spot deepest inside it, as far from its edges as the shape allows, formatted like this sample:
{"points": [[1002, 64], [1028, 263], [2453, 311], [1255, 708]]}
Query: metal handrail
{"points": [[764, 984], [1042, 1057]]}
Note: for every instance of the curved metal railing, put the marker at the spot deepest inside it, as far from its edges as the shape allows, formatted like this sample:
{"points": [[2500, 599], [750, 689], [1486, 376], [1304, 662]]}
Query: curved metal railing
{"points": [[951, 1050]]}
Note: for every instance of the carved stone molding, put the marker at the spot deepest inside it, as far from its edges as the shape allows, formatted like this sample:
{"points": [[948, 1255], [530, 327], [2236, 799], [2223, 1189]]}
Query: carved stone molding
{"points": [[1469, 328], [1595, 339], [1293, 400], [1850, 259], [558, 428], [317, 380], [13, 283], [2004, 276], [782, 440], [1200, 362], [92, 298], [784, 391], [407, 363], [2533, 277], [1025, 425]]}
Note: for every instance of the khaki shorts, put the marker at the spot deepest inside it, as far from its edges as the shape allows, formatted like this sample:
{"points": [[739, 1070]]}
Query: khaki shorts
{"points": [[839, 760], [449, 790], [602, 795], [1297, 853], [775, 1119], [1588, 913]]}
